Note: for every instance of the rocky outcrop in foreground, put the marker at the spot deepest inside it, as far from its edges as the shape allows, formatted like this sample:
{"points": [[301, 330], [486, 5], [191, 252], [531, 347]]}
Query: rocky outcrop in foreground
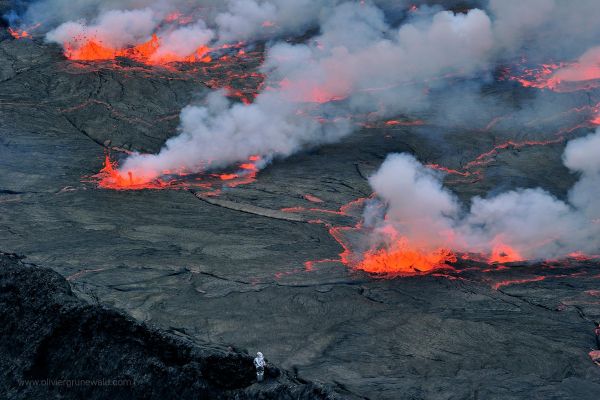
{"points": [[55, 345]]}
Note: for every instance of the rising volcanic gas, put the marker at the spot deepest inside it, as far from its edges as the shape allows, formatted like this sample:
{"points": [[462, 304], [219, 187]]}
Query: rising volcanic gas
{"points": [[300, 198], [366, 61]]}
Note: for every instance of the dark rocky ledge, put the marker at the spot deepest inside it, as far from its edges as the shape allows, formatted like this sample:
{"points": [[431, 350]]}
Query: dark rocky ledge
{"points": [[51, 341]]}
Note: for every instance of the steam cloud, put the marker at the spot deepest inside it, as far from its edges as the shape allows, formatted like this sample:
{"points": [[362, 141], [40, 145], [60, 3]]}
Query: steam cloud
{"points": [[368, 58], [330, 67], [531, 221], [113, 28], [363, 63]]}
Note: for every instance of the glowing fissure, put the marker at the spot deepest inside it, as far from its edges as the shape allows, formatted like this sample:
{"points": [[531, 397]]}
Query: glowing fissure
{"points": [[110, 177], [424, 228], [582, 74], [401, 256], [338, 74], [92, 49]]}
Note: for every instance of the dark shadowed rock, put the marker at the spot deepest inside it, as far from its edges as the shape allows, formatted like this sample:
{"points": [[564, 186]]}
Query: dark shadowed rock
{"points": [[47, 333]]}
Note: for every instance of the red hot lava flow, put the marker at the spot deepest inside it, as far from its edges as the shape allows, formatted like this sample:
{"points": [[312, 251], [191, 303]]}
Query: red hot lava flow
{"points": [[110, 177], [401, 258], [561, 77], [92, 49]]}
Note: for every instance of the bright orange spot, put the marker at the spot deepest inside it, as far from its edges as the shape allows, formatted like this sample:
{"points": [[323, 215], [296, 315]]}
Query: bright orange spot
{"points": [[394, 122], [504, 254], [17, 34], [172, 17], [509, 282], [400, 258], [111, 178], [249, 167], [561, 77], [579, 256], [91, 49], [307, 92]]}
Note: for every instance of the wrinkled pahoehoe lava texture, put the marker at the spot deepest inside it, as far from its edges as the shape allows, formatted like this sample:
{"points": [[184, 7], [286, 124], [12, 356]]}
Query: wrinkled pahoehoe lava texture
{"points": [[47, 333], [231, 270]]}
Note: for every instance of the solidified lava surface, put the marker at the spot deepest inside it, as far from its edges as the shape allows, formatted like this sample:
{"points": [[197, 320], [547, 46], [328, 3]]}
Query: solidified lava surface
{"points": [[49, 333], [267, 256]]}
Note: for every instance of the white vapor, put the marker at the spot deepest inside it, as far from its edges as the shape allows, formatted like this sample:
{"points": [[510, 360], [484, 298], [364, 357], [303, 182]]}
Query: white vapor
{"points": [[532, 222], [183, 41], [332, 66], [113, 28]]}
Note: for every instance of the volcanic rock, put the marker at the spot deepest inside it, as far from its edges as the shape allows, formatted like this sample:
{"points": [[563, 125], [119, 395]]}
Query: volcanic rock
{"points": [[235, 270], [50, 335]]}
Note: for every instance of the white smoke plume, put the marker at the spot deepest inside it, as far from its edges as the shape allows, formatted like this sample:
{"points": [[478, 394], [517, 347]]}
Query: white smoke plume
{"points": [[532, 222], [586, 68], [333, 66], [115, 28], [183, 41], [249, 20], [235, 20], [554, 29], [362, 61]]}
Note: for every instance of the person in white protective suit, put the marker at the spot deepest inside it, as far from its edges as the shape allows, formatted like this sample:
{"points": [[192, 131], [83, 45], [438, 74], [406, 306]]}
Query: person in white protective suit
{"points": [[259, 363]]}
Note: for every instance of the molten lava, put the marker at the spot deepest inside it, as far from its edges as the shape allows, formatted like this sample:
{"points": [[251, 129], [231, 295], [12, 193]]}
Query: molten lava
{"points": [[23, 33], [400, 258], [18, 34], [92, 49], [563, 77], [502, 253], [110, 177], [310, 92]]}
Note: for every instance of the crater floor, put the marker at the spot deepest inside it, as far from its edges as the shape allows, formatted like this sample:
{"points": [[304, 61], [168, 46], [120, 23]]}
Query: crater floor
{"points": [[232, 269]]}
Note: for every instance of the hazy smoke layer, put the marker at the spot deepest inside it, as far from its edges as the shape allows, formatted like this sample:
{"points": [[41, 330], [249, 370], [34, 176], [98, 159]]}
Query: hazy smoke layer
{"points": [[587, 67], [252, 19], [52, 13], [370, 67], [531, 221], [358, 64], [234, 20], [546, 28], [113, 28], [367, 57]]}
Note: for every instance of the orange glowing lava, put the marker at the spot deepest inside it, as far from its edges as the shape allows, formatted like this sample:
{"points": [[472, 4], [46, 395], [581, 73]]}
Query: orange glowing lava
{"points": [[179, 18], [394, 122], [18, 34], [563, 77], [508, 282], [400, 258], [110, 177], [502, 253], [92, 49], [23, 33], [310, 92]]}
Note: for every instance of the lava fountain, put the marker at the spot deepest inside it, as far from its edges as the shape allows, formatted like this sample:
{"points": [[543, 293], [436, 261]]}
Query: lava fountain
{"points": [[110, 177], [92, 49]]}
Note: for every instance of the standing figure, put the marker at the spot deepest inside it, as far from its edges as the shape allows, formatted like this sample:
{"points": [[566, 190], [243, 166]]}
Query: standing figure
{"points": [[259, 363]]}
